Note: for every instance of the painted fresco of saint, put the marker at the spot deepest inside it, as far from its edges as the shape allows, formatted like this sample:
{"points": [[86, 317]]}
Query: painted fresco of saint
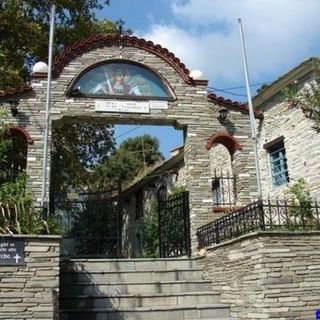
{"points": [[118, 84], [121, 80]]}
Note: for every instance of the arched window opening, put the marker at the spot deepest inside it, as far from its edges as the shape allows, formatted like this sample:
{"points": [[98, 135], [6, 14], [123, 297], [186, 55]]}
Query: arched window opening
{"points": [[225, 139], [120, 79], [222, 177], [222, 149]]}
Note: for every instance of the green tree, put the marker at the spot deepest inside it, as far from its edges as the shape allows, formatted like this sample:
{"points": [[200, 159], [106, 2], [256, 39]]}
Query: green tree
{"points": [[306, 99], [5, 144], [24, 29], [77, 149], [130, 159]]}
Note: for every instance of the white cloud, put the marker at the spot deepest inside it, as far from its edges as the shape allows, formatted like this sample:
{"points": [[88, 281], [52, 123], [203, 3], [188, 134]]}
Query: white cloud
{"points": [[279, 34]]}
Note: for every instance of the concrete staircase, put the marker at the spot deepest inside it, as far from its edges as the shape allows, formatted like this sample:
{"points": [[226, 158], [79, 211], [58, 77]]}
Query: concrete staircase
{"points": [[137, 289]]}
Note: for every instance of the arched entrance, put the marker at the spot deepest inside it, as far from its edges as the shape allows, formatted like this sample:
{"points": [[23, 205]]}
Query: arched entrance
{"points": [[122, 79], [129, 80]]}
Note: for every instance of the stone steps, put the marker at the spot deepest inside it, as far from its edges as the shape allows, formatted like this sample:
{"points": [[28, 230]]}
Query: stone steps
{"points": [[131, 276], [212, 311], [140, 300], [141, 264], [137, 289]]}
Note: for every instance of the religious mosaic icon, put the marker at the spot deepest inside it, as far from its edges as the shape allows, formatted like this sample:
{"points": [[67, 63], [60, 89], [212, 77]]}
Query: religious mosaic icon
{"points": [[120, 79]]}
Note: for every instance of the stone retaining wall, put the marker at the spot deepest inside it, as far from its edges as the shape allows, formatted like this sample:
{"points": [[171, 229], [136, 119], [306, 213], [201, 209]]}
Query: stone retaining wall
{"points": [[30, 291], [268, 275]]}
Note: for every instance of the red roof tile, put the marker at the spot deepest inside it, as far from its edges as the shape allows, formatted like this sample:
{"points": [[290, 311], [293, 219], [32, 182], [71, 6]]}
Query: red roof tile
{"points": [[100, 41], [234, 104], [14, 91]]}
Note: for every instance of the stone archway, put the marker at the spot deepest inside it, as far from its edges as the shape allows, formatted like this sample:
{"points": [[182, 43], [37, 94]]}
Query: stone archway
{"points": [[176, 109], [188, 108]]}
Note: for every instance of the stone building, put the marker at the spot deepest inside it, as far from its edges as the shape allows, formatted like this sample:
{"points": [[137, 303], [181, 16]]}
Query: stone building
{"points": [[288, 143]]}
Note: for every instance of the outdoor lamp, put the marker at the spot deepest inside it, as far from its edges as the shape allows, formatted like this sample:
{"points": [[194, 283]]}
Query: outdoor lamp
{"points": [[223, 114], [14, 107]]}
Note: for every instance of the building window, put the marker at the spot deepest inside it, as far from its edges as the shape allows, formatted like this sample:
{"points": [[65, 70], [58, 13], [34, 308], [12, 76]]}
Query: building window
{"points": [[278, 164], [216, 191]]}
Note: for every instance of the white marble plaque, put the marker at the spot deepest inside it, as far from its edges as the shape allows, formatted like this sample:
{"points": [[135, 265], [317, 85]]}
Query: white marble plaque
{"points": [[122, 106]]}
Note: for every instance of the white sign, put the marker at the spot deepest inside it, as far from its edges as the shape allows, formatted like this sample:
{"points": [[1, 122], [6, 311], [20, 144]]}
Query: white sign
{"points": [[158, 104], [122, 106]]}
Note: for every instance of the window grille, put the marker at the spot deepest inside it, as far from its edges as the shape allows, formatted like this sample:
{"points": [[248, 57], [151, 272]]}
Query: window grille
{"points": [[278, 164], [223, 189]]}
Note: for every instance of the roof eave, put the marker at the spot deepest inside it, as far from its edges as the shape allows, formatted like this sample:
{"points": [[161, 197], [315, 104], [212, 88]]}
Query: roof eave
{"points": [[276, 86]]}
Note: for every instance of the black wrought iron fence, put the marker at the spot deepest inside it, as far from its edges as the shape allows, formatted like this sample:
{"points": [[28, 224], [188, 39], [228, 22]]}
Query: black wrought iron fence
{"points": [[92, 225], [174, 225], [261, 215]]}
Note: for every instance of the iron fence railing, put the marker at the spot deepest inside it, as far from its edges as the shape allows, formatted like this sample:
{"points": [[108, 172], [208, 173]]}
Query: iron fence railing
{"points": [[174, 225], [261, 215], [91, 225]]}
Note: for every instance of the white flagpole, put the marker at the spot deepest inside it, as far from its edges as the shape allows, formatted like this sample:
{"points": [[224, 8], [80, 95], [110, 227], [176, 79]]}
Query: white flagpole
{"points": [[48, 107], [251, 112]]}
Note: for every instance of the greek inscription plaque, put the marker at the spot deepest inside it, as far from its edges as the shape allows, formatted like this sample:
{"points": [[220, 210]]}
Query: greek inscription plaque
{"points": [[11, 252]]}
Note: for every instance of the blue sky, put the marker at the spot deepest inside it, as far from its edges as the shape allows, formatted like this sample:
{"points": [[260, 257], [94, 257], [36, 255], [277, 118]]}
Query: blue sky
{"points": [[204, 35]]}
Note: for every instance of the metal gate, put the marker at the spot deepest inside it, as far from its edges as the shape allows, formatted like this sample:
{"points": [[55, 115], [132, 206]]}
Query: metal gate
{"points": [[174, 225], [91, 226]]}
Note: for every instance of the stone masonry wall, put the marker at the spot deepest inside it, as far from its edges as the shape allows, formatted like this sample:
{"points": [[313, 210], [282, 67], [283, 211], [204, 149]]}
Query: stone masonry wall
{"points": [[220, 161], [30, 291], [268, 275], [300, 142]]}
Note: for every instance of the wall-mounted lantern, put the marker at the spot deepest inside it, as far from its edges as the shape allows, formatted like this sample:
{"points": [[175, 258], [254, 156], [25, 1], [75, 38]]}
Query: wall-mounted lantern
{"points": [[13, 104], [14, 107], [223, 114]]}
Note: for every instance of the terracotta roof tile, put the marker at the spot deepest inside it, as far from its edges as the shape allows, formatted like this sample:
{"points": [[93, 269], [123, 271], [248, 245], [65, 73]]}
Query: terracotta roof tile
{"points": [[14, 91], [234, 104], [99, 41]]}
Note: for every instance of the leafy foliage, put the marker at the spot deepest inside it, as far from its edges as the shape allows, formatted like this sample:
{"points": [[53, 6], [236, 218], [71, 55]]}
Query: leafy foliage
{"points": [[132, 156], [307, 99], [300, 202], [77, 148], [24, 29], [150, 231], [17, 216]]}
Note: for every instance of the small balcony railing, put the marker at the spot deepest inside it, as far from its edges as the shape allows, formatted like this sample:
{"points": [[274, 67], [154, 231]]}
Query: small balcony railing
{"points": [[261, 215]]}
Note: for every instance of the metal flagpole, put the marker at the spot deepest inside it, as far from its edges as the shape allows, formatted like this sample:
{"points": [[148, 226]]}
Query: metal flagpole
{"points": [[251, 113], [47, 116]]}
